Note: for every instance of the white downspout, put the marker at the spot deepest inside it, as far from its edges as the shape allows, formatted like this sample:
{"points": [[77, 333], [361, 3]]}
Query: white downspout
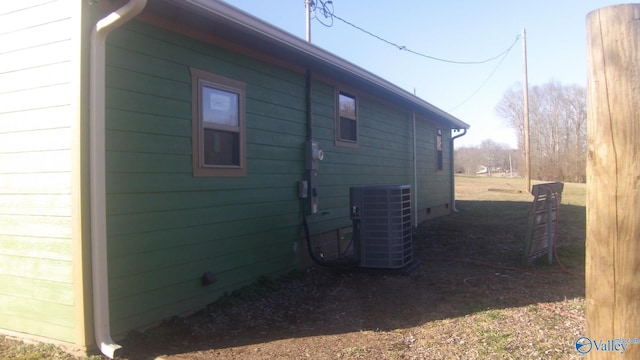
{"points": [[415, 173], [453, 172], [100, 278]]}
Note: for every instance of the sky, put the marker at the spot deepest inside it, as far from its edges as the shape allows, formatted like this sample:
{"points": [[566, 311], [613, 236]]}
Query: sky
{"points": [[454, 30]]}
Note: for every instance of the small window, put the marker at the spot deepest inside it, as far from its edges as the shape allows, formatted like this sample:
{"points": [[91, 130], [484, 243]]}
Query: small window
{"points": [[218, 122], [439, 149], [346, 121]]}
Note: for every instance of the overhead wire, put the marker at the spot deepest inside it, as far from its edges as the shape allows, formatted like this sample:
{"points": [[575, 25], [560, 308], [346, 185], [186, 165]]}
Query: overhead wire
{"points": [[488, 77], [326, 10]]}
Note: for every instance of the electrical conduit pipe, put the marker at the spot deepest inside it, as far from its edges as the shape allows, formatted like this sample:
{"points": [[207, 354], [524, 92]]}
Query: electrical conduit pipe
{"points": [[100, 278]]}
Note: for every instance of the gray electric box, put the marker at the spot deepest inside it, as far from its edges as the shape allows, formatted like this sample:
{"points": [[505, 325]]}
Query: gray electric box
{"points": [[382, 217], [308, 189], [313, 155]]}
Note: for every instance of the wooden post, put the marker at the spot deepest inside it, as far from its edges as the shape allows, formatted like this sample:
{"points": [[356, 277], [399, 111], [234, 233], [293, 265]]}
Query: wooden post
{"points": [[613, 178]]}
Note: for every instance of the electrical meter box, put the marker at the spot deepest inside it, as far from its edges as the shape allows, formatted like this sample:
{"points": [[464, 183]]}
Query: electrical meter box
{"points": [[313, 155]]}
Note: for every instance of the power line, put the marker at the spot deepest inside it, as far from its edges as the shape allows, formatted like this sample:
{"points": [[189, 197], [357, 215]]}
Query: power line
{"points": [[326, 10], [488, 77]]}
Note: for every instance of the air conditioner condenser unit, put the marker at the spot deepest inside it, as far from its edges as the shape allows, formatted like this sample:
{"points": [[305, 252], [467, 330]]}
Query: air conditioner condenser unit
{"points": [[382, 226]]}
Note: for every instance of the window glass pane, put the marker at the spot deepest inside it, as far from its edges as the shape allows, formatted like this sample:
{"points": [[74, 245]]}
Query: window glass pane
{"points": [[219, 107], [439, 148], [347, 106], [348, 129], [221, 148]]}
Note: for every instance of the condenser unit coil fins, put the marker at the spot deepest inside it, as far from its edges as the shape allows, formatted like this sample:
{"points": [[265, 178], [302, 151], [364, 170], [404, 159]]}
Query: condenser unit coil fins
{"points": [[386, 237]]}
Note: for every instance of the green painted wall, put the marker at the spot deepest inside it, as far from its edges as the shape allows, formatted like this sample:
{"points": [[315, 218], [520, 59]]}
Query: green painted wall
{"points": [[36, 280], [384, 156], [165, 227]]}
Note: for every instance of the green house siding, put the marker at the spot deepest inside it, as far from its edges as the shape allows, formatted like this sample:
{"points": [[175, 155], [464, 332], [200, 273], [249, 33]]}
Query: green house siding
{"points": [[434, 187], [36, 280], [384, 156], [166, 227]]}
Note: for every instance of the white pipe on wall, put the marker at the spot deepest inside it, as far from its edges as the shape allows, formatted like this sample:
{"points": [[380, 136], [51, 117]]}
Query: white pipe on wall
{"points": [[100, 278], [415, 173], [453, 171]]}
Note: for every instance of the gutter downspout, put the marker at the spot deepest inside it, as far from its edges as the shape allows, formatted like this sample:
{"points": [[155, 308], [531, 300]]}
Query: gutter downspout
{"points": [[100, 277], [453, 180], [308, 101], [415, 174]]}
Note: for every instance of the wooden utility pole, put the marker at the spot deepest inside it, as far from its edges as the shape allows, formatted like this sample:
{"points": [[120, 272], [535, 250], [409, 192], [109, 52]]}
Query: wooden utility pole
{"points": [[613, 178], [525, 92]]}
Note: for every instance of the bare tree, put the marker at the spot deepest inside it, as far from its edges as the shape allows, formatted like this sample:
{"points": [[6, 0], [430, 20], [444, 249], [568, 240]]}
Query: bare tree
{"points": [[557, 115], [466, 160], [489, 154]]}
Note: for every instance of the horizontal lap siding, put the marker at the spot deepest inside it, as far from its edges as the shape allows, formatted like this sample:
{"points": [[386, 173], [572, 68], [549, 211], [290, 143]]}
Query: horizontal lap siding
{"points": [[384, 156], [165, 227], [434, 187], [36, 289]]}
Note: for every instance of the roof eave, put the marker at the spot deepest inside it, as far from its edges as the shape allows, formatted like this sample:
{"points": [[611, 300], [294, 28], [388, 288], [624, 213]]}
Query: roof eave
{"points": [[263, 29]]}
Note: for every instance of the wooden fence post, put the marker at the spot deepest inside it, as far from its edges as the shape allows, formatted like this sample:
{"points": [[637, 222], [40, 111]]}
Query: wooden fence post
{"points": [[613, 178]]}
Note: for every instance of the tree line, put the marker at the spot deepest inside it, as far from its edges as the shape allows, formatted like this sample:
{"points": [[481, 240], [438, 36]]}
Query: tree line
{"points": [[489, 157], [557, 134]]}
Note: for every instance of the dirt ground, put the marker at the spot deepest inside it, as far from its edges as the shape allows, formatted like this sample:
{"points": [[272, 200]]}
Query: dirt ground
{"points": [[469, 297]]}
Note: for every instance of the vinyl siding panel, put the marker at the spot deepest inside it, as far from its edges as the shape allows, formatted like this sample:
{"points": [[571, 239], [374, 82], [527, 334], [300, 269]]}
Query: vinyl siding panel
{"points": [[36, 287], [35, 247], [165, 227]]}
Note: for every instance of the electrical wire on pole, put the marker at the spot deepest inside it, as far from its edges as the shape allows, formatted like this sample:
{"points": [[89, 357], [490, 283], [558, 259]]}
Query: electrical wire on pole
{"points": [[324, 9], [318, 9]]}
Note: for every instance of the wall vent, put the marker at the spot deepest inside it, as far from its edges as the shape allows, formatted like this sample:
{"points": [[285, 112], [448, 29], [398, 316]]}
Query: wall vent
{"points": [[382, 225]]}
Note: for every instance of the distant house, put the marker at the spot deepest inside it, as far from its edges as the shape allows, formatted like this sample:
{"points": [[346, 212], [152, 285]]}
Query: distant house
{"points": [[488, 170], [179, 145], [485, 170]]}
